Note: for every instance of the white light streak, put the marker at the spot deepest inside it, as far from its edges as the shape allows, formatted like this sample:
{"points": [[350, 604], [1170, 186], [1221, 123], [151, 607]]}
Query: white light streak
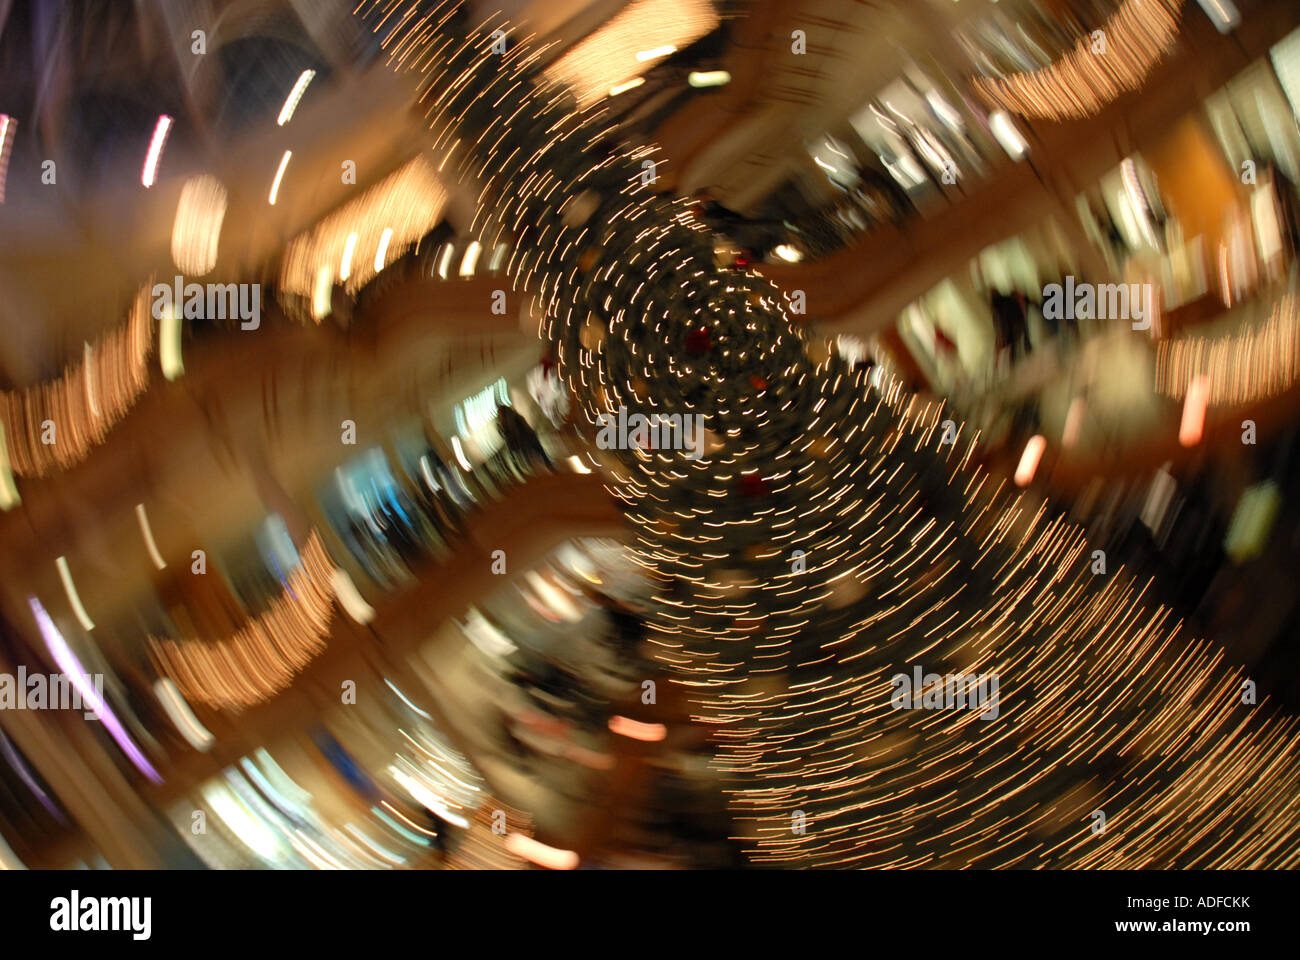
{"points": [[146, 531], [160, 132], [291, 104], [279, 175], [74, 599]]}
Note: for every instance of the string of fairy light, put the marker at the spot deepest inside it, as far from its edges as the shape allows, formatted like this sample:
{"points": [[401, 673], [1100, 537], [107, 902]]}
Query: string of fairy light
{"points": [[1087, 77], [54, 425], [913, 555], [353, 244], [628, 45], [1260, 362], [1138, 35], [262, 658]]}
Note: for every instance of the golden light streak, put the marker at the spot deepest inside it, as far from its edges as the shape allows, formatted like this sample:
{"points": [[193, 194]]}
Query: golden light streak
{"points": [[403, 206], [1138, 36], [1259, 362], [55, 425], [539, 853], [349, 248], [623, 48], [1029, 459], [263, 657], [196, 229], [636, 730]]}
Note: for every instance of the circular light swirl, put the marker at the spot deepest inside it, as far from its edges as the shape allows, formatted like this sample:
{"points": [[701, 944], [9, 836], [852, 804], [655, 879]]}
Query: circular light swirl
{"points": [[1138, 36], [910, 555]]}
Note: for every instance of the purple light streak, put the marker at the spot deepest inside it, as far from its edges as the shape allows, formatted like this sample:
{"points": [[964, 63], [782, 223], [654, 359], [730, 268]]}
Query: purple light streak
{"points": [[72, 669]]}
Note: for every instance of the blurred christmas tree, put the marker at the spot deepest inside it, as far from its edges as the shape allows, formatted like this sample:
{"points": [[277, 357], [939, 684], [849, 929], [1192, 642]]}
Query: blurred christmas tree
{"points": [[829, 540]]}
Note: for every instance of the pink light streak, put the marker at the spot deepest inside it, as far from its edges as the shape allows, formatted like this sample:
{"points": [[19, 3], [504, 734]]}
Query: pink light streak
{"points": [[155, 150], [73, 670]]}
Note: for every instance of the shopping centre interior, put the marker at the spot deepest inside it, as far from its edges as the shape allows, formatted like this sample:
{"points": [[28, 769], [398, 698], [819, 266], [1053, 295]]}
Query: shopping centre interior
{"points": [[547, 434]]}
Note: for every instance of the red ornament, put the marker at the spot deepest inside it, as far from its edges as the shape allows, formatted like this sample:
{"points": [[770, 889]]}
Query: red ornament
{"points": [[743, 260], [752, 485], [699, 341], [757, 382]]}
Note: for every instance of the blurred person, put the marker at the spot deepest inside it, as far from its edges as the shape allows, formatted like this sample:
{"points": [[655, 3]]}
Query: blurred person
{"points": [[627, 627], [442, 839], [521, 439], [1010, 322]]}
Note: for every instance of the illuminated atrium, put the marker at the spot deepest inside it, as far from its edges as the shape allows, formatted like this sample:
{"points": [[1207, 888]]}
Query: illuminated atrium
{"points": [[649, 435]]}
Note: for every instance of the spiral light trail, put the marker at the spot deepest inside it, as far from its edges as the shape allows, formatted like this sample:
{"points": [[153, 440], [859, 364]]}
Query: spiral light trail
{"points": [[913, 556]]}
